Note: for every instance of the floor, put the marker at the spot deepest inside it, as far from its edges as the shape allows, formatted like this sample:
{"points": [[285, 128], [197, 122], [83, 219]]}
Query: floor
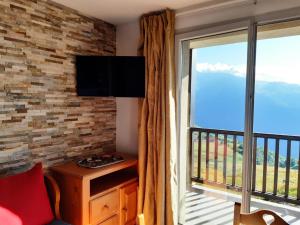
{"points": [[212, 207]]}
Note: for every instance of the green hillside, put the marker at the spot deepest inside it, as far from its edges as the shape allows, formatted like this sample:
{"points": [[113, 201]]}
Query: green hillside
{"points": [[239, 158]]}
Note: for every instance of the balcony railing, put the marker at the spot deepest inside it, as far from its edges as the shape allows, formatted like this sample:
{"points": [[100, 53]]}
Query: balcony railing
{"points": [[216, 159]]}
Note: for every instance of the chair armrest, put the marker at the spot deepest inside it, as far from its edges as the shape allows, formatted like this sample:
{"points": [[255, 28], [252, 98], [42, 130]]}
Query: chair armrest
{"points": [[256, 217], [54, 194]]}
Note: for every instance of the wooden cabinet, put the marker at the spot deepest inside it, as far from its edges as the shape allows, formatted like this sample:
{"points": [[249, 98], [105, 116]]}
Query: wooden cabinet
{"points": [[111, 221], [104, 196], [128, 204]]}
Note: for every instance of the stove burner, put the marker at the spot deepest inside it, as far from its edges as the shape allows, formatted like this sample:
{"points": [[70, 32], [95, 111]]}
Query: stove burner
{"points": [[97, 161]]}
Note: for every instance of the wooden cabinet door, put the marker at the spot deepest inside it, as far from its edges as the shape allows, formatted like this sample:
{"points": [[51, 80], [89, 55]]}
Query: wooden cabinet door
{"points": [[128, 203], [111, 221]]}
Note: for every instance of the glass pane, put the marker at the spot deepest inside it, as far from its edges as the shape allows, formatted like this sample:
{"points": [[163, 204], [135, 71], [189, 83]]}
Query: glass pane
{"points": [[277, 88], [276, 118], [218, 82]]}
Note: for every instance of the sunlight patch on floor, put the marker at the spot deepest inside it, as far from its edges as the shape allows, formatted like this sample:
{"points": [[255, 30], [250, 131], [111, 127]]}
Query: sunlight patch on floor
{"points": [[204, 209]]}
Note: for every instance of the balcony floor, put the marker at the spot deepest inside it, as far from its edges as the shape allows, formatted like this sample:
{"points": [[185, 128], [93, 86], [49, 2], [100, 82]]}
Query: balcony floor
{"points": [[214, 207]]}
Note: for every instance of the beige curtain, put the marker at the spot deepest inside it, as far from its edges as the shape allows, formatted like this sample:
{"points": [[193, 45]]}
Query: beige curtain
{"points": [[157, 125]]}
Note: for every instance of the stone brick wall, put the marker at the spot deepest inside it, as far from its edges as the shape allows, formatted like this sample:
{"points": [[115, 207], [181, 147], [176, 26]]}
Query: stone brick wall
{"points": [[41, 117]]}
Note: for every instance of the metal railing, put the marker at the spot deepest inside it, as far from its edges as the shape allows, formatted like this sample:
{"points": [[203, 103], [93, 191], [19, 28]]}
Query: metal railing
{"points": [[216, 159]]}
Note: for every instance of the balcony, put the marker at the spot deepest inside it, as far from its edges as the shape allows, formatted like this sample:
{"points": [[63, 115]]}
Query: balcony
{"points": [[216, 160], [216, 165], [213, 207]]}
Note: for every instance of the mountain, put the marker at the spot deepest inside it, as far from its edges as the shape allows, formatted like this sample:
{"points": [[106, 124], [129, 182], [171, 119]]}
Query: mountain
{"points": [[218, 101]]}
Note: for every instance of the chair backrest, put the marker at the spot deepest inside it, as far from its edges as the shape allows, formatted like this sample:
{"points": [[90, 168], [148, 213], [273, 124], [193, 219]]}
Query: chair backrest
{"points": [[256, 218]]}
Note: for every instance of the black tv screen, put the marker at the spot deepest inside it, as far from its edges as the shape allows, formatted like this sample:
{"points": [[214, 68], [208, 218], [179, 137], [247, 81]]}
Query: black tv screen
{"points": [[118, 76]]}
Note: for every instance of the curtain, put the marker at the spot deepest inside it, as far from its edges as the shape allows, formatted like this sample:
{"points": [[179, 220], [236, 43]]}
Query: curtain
{"points": [[157, 121]]}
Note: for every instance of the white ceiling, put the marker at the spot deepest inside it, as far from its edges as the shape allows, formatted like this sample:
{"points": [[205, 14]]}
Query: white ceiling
{"points": [[123, 11]]}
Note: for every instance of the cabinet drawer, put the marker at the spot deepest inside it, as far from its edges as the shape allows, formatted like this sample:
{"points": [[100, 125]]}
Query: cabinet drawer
{"points": [[104, 207], [111, 221]]}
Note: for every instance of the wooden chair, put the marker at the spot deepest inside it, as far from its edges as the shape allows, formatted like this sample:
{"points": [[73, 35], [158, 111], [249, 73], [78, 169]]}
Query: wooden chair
{"points": [[255, 218], [54, 195]]}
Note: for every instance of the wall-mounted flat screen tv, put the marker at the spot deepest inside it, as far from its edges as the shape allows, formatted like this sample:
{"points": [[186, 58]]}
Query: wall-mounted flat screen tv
{"points": [[117, 76]]}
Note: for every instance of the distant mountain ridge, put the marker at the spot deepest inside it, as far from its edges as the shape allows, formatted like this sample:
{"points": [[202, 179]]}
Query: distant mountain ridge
{"points": [[218, 101]]}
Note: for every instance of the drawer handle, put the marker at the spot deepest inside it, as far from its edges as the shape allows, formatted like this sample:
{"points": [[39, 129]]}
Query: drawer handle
{"points": [[125, 209], [106, 206]]}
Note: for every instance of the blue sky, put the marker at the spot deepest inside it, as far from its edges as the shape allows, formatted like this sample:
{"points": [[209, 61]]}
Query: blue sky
{"points": [[277, 59]]}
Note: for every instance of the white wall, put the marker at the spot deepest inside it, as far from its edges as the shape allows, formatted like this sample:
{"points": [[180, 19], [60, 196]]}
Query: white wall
{"points": [[127, 42], [127, 108]]}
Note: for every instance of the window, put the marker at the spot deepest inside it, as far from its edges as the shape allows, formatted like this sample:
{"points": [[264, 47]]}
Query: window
{"points": [[225, 104]]}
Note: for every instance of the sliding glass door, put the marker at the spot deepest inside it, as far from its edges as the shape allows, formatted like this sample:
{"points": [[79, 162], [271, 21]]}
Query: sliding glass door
{"points": [[243, 123], [276, 149], [217, 68]]}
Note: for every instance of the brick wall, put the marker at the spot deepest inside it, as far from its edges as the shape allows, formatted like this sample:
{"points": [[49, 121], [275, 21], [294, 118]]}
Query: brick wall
{"points": [[41, 118]]}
